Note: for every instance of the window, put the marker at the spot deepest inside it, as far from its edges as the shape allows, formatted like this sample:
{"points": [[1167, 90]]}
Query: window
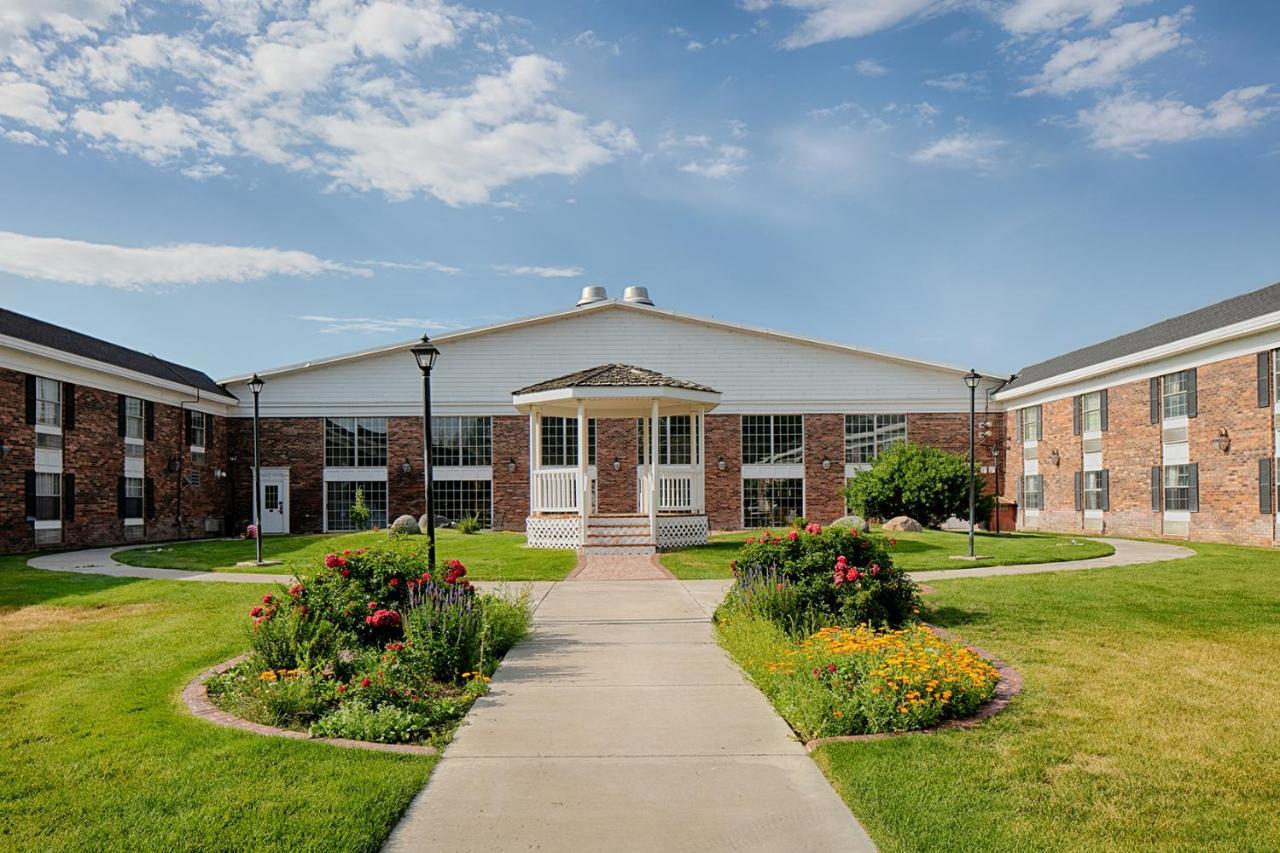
{"points": [[1173, 397], [48, 402], [1029, 419], [560, 442], [355, 442], [199, 429], [271, 498], [340, 496], [134, 418], [769, 502], [1178, 481], [461, 441], [1091, 412], [1093, 490], [1032, 492], [133, 492], [457, 499], [48, 497], [677, 442], [867, 436], [772, 439], [48, 441]]}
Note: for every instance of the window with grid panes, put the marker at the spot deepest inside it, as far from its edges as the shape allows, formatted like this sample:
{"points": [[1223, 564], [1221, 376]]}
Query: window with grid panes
{"points": [[867, 436], [560, 442], [772, 439], [771, 501], [458, 441]]}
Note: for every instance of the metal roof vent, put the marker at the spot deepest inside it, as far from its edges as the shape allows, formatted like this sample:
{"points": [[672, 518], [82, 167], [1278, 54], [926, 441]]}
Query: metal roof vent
{"points": [[637, 295], [594, 293]]}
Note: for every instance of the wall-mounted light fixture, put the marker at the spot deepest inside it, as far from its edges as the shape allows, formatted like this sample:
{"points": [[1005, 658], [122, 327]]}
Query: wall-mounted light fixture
{"points": [[219, 474], [1054, 458], [826, 464], [1223, 441], [720, 464], [172, 466], [511, 465], [617, 464], [406, 466], [5, 450]]}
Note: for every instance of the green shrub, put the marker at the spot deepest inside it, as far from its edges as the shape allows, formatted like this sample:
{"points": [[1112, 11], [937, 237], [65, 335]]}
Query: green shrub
{"points": [[816, 577], [924, 483], [286, 634], [506, 622], [356, 720], [285, 698], [445, 635], [469, 524], [359, 512]]}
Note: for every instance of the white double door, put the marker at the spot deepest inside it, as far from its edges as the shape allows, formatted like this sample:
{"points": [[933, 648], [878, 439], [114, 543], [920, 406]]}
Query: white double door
{"points": [[275, 500]]}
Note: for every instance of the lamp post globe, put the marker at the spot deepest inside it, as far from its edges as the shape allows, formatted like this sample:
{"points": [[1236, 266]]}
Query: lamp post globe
{"points": [[425, 354]]}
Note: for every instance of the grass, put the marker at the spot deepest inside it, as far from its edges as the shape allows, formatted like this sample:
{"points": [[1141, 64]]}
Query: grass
{"points": [[101, 755], [930, 549], [1147, 721], [489, 556]]}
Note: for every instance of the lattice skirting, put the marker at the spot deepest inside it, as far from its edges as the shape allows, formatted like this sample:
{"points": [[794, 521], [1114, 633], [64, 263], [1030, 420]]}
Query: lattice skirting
{"points": [[553, 532], [682, 531]]}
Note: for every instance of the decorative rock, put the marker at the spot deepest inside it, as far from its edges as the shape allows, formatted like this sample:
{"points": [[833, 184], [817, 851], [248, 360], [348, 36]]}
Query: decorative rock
{"points": [[853, 522], [422, 523], [405, 525], [956, 524], [902, 524]]}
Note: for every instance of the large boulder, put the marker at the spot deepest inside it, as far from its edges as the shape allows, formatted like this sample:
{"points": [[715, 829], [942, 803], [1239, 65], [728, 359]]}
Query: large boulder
{"points": [[853, 522], [441, 522], [902, 524], [405, 525]]}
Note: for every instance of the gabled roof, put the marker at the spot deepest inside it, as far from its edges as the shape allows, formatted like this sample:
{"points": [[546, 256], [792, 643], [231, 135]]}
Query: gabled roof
{"points": [[605, 305], [44, 334], [613, 376], [1219, 315]]}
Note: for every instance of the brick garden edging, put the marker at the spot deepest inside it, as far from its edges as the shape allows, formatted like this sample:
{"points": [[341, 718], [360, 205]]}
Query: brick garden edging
{"points": [[1009, 685], [196, 697]]}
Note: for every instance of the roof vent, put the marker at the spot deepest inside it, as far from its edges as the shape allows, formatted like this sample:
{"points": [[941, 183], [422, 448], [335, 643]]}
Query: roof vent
{"points": [[637, 296], [594, 293]]}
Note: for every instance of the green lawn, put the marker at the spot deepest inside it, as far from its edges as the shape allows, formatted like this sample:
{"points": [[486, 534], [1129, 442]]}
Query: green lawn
{"points": [[99, 753], [489, 556], [1148, 721], [931, 549]]}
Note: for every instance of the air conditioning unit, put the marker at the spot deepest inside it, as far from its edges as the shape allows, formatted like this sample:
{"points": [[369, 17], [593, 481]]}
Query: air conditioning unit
{"points": [[213, 524]]}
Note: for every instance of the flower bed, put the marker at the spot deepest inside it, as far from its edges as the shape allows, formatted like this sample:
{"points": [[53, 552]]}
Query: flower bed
{"points": [[375, 646]]}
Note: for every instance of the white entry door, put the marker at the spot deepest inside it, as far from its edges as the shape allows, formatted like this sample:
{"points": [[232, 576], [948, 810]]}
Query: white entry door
{"points": [[275, 500]]}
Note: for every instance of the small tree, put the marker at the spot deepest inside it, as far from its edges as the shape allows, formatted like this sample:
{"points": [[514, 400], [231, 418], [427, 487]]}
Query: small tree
{"points": [[924, 483], [360, 511]]}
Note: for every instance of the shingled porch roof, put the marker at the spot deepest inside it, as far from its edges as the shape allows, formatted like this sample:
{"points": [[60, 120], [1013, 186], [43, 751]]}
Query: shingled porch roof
{"points": [[613, 376]]}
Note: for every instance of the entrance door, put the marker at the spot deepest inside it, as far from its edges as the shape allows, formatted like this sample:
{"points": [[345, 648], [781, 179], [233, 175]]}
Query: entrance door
{"points": [[275, 500]]}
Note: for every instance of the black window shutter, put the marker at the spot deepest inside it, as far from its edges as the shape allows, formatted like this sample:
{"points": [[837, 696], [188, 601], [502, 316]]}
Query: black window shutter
{"points": [[1193, 494], [1040, 488], [31, 400], [1156, 496], [1020, 479], [120, 497], [187, 413], [1155, 399], [68, 497], [68, 406], [1106, 489], [31, 494], [1079, 490], [1104, 409], [1017, 428], [1266, 489], [150, 411], [1264, 379], [1192, 407], [1075, 414], [149, 497], [208, 430], [120, 411]]}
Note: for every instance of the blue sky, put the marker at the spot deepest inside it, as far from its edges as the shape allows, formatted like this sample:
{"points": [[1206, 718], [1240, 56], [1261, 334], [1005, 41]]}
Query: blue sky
{"points": [[237, 185]]}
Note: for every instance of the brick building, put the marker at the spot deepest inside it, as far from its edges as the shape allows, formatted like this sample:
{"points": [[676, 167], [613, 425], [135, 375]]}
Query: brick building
{"points": [[1166, 431], [102, 445]]}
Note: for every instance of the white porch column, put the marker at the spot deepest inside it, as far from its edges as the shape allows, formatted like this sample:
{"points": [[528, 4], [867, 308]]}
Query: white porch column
{"points": [[584, 489], [700, 504], [653, 472], [533, 443]]}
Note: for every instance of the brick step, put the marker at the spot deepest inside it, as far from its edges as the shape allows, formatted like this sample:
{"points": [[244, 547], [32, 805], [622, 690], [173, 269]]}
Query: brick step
{"points": [[617, 550]]}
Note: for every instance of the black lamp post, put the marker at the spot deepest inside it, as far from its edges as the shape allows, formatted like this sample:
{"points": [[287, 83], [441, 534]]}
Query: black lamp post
{"points": [[972, 378], [255, 385], [425, 353]]}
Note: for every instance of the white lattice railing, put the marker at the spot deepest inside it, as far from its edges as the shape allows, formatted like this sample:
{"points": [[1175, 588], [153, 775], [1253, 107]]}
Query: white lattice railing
{"points": [[679, 489], [556, 490], [553, 532], [682, 531]]}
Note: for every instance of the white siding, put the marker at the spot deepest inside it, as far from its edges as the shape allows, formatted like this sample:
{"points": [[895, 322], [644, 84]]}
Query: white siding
{"points": [[754, 372]]}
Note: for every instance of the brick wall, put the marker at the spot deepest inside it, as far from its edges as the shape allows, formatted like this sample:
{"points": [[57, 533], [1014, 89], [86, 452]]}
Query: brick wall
{"points": [[616, 490], [1130, 446], [724, 488], [1058, 434], [15, 532], [94, 452], [824, 439], [406, 492], [293, 443], [510, 489]]}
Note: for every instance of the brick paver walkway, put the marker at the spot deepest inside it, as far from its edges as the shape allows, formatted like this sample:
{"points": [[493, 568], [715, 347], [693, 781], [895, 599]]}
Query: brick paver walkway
{"points": [[619, 567]]}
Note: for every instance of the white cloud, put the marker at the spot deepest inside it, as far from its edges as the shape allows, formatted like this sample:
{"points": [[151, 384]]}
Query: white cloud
{"points": [[1036, 16], [960, 81], [1131, 123], [922, 113], [1102, 61], [589, 40], [131, 268], [427, 266], [694, 46], [699, 154], [724, 161], [870, 68], [960, 149], [828, 20], [541, 272], [27, 102], [371, 325], [154, 135]]}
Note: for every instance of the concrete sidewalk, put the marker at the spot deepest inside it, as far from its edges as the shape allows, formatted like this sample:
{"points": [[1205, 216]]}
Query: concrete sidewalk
{"points": [[622, 726]]}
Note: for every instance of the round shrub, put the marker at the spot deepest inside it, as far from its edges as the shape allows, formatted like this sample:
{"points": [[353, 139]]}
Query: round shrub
{"points": [[924, 483]]}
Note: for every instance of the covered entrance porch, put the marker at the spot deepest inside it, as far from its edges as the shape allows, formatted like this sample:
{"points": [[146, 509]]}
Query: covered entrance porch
{"points": [[668, 509]]}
